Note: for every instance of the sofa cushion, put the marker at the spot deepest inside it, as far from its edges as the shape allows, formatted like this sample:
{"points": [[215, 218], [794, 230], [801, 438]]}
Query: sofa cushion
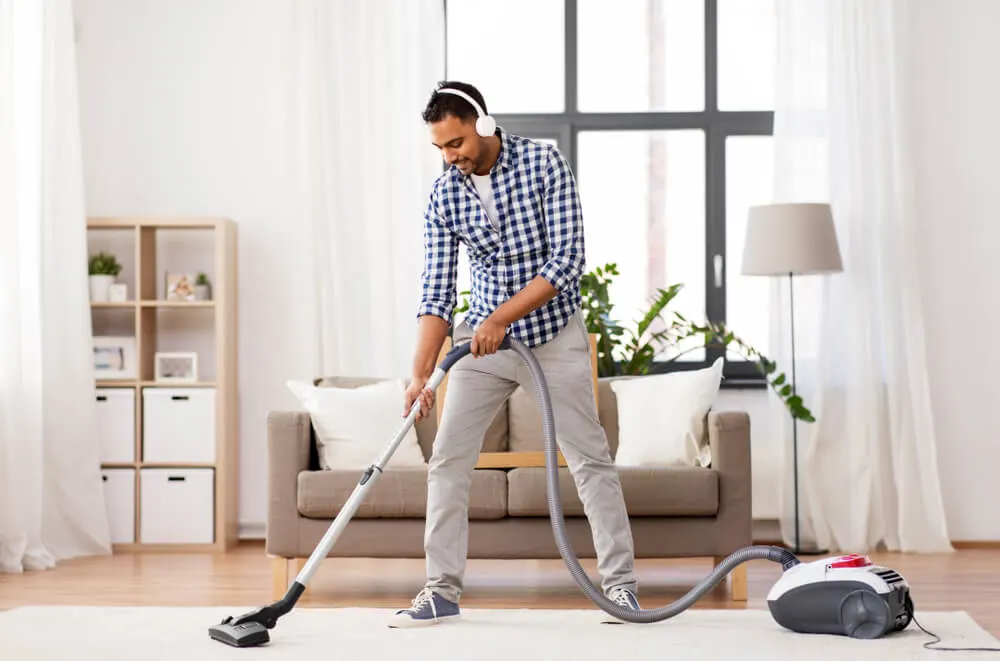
{"points": [[353, 424], [494, 440], [398, 493], [525, 422], [671, 491], [661, 418]]}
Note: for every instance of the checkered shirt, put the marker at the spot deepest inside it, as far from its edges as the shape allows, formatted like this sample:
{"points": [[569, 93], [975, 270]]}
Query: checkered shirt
{"points": [[541, 233]]}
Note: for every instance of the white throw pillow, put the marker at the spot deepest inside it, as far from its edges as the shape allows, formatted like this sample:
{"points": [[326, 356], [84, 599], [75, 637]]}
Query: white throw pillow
{"points": [[661, 417], [355, 425]]}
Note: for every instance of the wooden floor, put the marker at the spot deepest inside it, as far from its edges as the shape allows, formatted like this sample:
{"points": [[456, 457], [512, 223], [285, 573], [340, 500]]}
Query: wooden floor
{"points": [[966, 580]]}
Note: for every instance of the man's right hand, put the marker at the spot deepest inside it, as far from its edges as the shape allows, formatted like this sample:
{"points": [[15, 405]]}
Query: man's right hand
{"points": [[417, 388], [431, 334]]}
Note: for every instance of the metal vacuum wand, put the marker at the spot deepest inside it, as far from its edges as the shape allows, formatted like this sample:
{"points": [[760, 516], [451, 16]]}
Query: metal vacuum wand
{"points": [[251, 629]]}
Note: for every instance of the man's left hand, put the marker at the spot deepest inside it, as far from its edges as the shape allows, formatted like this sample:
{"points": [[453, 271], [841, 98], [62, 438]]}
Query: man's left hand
{"points": [[487, 338]]}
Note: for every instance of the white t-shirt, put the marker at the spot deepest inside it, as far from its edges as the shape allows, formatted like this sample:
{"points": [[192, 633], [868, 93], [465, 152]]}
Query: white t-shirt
{"points": [[485, 189]]}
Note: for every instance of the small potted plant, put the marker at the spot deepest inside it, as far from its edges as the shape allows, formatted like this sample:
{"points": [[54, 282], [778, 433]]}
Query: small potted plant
{"points": [[104, 268], [202, 288]]}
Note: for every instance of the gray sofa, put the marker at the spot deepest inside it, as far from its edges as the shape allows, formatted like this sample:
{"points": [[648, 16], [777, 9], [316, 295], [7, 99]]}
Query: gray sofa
{"points": [[674, 512]]}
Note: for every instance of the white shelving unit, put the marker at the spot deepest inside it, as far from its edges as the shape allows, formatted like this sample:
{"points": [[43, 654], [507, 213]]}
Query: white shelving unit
{"points": [[169, 449]]}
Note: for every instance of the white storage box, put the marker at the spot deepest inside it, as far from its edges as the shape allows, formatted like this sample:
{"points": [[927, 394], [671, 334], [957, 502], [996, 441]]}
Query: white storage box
{"points": [[178, 425], [119, 497], [178, 506], [116, 425]]}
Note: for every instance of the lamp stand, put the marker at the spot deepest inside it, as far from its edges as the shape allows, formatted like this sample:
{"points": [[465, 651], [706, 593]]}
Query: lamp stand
{"points": [[797, 549]]}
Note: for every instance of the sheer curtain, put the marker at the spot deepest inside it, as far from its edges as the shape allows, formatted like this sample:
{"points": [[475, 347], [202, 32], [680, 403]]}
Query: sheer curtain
{"points": [[51, 499], [868, 465], [361, 74]]}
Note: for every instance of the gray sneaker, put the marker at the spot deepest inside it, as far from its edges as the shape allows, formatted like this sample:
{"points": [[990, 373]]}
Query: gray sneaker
{"points": [[427, 608], [624, 598]]}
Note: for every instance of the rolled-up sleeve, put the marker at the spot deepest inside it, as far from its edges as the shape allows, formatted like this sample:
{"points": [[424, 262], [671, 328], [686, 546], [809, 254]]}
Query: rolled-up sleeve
{"points": [[563, 223], [438, 280]]}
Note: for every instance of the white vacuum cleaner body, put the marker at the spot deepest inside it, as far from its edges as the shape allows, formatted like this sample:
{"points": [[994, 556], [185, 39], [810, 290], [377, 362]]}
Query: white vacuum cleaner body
{"points": [[844, 595]]}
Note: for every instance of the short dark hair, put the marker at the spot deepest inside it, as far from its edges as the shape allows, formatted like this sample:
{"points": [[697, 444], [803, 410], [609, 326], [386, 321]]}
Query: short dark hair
{"points": [[441, 105]]}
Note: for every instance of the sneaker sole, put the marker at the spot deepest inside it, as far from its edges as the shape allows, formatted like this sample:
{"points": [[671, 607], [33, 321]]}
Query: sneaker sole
{"points": [[607, 618], [405, 622]]}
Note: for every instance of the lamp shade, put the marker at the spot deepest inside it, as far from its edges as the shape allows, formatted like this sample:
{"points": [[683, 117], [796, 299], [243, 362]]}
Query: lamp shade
{"points": [[795, 238]]}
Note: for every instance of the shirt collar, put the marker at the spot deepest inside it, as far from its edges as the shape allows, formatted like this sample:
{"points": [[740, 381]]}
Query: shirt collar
{"points": [[505, 160]]}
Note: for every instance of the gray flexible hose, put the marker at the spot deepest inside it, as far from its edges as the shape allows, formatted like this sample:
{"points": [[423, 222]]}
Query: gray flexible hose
{"points": [[772, 553]]}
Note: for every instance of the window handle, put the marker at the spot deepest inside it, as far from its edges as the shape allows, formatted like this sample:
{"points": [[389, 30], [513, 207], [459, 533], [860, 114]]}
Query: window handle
{"points": [[718, 271]]}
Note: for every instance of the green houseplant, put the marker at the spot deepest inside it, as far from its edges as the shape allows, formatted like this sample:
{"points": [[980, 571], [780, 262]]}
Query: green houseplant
{"points": [[625, 350], [103, 268], [202, 287], [633, 351]]}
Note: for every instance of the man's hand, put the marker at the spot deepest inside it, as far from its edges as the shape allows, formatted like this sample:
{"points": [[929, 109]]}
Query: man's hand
{"points": [[417, 388], [487, 338]]}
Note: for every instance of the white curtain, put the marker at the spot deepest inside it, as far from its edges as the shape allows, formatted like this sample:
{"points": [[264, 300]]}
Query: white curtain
{"points": [[362, 72], [51, 499], [868, 466]]}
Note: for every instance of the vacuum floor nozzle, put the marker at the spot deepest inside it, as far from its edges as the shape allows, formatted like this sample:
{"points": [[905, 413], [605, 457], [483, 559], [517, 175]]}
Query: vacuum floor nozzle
{"points": [[247, 634]]}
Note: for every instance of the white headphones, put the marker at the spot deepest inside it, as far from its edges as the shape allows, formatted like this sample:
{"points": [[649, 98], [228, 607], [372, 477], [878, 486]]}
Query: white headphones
{"points": [[485, 125]]}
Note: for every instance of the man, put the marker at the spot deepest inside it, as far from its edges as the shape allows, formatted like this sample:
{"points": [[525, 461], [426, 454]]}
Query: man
{"points": [[513, 203]]}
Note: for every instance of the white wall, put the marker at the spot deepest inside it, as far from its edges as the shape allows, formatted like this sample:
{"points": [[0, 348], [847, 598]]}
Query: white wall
{"points": [[956, 104], [182, 115]]}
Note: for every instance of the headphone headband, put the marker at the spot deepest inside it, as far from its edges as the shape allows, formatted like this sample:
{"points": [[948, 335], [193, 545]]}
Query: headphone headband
{"points": [[485, 124]]}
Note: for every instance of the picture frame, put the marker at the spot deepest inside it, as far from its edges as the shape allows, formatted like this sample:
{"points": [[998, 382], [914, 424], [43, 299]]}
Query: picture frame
{"points": [[114, 357], [180, 287], [175, 367]]}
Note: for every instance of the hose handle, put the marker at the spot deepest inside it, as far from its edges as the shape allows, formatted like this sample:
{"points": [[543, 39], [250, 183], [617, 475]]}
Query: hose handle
{"points": [[459, 351]]}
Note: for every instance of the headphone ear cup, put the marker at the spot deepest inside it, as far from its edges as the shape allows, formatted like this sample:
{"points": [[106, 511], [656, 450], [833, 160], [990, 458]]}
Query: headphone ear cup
{"points": [[486, 126]]}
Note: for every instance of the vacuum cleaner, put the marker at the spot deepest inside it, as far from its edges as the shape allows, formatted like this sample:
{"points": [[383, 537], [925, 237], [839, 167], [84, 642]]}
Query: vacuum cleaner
{"points": [[845, 595]]}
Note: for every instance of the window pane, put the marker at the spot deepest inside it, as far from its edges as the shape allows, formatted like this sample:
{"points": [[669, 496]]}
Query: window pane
{"points": [[747, 50], [749, 172], [641, 55], [643, 198], [525, 78]]}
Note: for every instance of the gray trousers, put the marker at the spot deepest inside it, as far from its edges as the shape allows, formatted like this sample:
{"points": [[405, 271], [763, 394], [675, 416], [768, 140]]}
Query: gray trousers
{"points": [[477, 387]]}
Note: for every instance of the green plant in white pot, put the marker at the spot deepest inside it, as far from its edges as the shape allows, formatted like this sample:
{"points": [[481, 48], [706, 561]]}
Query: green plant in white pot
{"points": [[202, 288], [104, 268]]}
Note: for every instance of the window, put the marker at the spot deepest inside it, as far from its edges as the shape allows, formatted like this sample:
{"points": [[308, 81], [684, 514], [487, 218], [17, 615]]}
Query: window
{"points": [[664, 109]]}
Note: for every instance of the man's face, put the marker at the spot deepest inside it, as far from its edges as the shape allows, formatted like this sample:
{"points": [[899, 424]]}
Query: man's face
{"points": [[459, 143]]}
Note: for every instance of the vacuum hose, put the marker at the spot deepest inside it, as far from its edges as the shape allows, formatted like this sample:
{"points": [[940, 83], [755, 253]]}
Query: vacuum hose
{"points": [[772, 553], [251, 629]]}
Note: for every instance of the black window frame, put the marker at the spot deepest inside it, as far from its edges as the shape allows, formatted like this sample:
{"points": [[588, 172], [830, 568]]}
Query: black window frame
{"points": [[718, 125]]}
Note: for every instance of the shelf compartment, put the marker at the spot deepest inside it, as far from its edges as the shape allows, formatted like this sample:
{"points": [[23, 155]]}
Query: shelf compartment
{"points": [[122, 243]]}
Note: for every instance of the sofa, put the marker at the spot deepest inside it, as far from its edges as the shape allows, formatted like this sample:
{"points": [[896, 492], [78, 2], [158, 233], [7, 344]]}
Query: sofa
{"points": [[675, 512]]}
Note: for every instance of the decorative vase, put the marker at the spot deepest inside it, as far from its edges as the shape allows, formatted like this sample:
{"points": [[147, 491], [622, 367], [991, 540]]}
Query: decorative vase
{"points": [[203, 292], [100, 285]]}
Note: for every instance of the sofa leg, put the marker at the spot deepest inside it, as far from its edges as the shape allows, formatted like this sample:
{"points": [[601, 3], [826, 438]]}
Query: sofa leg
{"points": [[737, 581], [283, 572], [280, 577]]}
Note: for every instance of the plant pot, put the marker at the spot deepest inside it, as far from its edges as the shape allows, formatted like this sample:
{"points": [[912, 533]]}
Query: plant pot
{"points": [[203, 292], [100, 285]]}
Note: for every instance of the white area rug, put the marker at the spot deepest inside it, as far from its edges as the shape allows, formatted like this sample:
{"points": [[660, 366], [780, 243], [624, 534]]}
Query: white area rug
{"points": [[147, 633]]}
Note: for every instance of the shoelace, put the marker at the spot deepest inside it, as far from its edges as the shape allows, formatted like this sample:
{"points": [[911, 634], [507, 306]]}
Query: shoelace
{"points": [[425, 596], [622, 599]]}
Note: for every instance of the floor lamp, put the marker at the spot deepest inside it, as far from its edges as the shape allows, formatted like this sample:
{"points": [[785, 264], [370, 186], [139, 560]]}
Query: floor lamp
{"points": [[790, 240]]}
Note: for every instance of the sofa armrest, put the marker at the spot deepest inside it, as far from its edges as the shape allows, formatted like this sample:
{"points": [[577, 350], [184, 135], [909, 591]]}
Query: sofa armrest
{"points": [[729, 441], [289, 434]]}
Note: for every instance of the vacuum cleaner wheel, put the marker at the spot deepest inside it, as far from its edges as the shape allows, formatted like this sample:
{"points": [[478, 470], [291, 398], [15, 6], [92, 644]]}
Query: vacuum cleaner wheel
{"points": [[864, 614]]}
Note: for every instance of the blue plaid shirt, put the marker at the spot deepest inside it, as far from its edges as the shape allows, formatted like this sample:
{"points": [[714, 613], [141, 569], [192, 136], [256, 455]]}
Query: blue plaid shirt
{"points": [[541, 233]]}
